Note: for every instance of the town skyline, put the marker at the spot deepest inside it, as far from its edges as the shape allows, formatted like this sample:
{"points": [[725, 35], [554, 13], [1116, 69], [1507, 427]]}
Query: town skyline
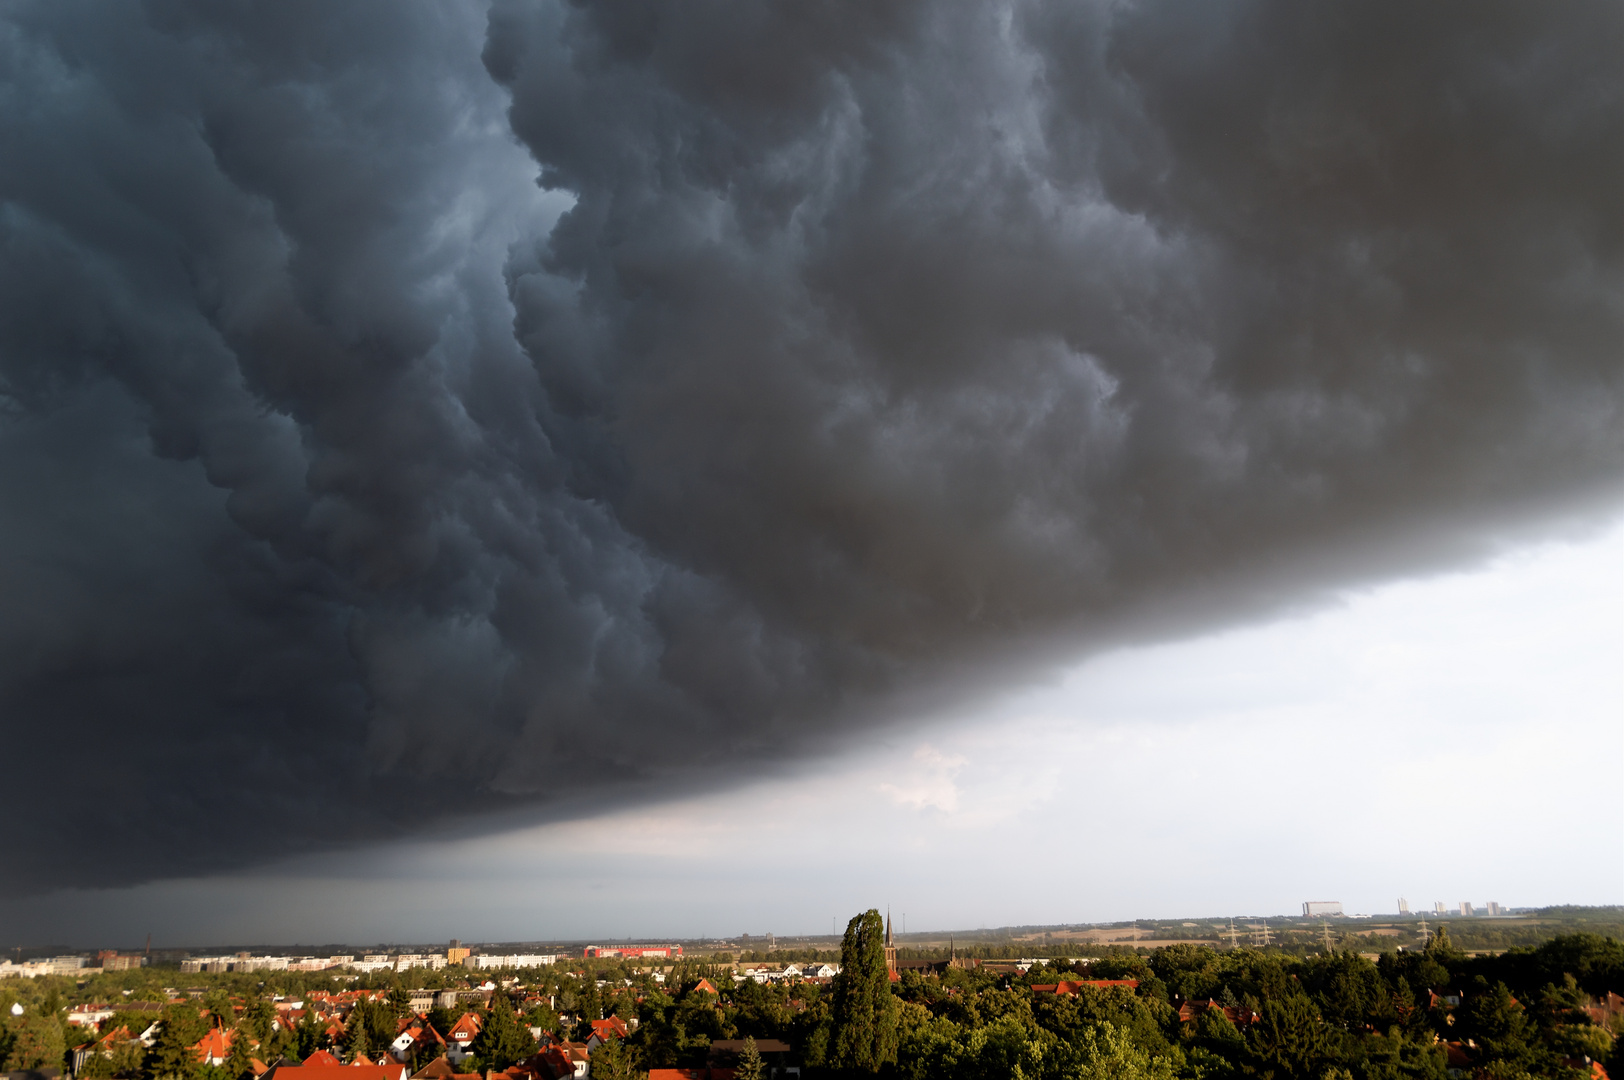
{"points": [[868, 1004], [1050, 939]]}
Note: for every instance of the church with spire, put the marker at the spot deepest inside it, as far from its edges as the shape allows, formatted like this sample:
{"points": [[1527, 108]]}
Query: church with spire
{"points": [[954, 960]]}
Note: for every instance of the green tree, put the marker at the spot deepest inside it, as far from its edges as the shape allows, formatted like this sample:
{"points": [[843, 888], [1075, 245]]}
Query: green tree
{"points": [[1346, 987], [258, 1018], [1214, 1031], [218, 1002], [311, 1034], [441, 1019], [172, 1054], [239, 1058], [614, 1060], [1398, 1055], [1443, 950], [1105, 1052], [865, 1012], [502, 1040], [750, 1066], [1289, 1039], [1497, 1023], [358, 1047], [36, 1041], [283, 1043], [543, 1017]]}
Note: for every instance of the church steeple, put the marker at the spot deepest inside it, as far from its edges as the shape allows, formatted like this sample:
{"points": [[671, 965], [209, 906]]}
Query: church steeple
{"points": [[890, 946]]}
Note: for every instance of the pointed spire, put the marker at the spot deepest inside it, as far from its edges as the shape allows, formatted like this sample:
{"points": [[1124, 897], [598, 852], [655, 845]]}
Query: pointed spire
{"points": [[888, 942]]}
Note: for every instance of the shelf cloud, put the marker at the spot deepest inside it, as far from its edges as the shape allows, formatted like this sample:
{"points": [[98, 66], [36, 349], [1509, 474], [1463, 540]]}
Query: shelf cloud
{"points": [[414, 412]]}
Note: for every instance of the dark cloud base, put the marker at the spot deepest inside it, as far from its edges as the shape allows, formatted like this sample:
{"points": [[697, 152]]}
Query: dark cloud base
{"points": [[878, 350]]}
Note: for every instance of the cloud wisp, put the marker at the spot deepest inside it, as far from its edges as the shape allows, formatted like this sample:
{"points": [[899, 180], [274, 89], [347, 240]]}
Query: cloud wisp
{"points": [[416, 411]]}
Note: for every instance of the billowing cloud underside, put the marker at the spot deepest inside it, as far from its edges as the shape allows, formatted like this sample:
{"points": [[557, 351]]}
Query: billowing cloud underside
{"points": [[346, 486]]}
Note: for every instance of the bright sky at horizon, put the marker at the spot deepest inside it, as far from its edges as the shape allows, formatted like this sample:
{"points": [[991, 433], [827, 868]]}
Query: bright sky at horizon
{"points": [[1450, 738]]}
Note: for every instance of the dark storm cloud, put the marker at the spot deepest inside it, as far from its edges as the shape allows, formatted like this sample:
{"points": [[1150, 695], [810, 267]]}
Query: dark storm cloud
{"points": [[342, 495]]}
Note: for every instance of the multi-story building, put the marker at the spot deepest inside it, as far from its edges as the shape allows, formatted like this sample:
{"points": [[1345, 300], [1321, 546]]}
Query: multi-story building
{"points": [[515, 961], [672, 952], [1322, 907]]}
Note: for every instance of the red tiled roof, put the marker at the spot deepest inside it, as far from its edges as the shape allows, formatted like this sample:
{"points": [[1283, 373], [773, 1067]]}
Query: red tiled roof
{"points": [[1073, 985], [215, 1045], [318, 1059], [614, 1025], [555, 1062], [343, 1072], [1239, 1017], [464, 1030], [439, 1069]]}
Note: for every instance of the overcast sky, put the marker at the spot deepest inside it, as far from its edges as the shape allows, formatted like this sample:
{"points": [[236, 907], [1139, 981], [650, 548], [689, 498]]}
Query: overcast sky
{"points": [[426, 420], [1451, 738]]}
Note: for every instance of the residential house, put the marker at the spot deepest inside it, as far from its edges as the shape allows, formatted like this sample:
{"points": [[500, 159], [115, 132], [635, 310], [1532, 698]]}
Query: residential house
{"points": [[441, 1069], [604, 1030], [103, 1047], [1241, 1018], [89, 1015], [1069, 988], [461, 1037], [308, 1071], [1442, 999], [775, 1056], [561, 1060], [417, 1039], [1605, 1011], [214, 1048]]}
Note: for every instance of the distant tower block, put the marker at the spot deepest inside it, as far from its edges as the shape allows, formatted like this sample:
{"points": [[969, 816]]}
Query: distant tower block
{"points": [[1495, 908], [1322, 907], [1465, 907], [1403, 906], [1438, 908]]}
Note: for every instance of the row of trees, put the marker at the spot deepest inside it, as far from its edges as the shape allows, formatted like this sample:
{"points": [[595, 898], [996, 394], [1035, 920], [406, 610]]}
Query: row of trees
{"points": [[1337, 1016]]}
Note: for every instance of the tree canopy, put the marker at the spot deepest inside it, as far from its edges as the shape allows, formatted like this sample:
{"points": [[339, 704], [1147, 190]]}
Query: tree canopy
{"points": [[865, 1012]]}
